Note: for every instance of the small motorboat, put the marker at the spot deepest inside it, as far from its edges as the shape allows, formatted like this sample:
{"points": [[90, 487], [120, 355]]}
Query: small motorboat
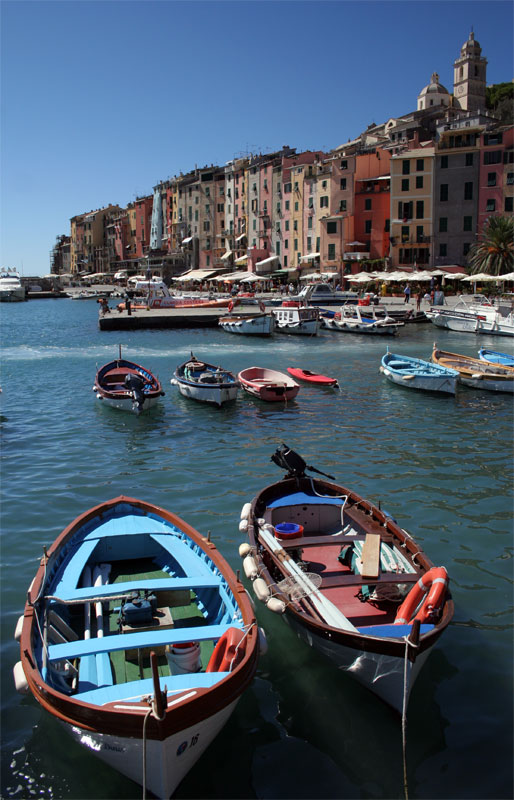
{"points": [[414, 373], [248, 324], [312, 377], [290, 317], [494, 357], [205, 382], [268, 384], [139, 637], [476, 373], [127, 386], [348, 579], [351, 319]]}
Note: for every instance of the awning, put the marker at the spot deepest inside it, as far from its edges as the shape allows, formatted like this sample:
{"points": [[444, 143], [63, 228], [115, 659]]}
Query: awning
{"points": [[255, 278], [186, 241], [265, 261], [240, 238], [241, 260], [310, 257], [226, 255], [238, 276], [198, 275]]}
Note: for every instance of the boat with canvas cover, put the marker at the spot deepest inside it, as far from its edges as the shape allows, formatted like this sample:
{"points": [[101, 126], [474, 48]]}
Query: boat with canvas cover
{"points": [[128, 386], [346, 577], [476, 373], [495, 357], [415, 373], [268, 384], [138, 637], [205, 382]]}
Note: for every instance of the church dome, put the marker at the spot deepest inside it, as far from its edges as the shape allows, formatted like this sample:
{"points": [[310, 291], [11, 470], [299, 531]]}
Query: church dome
{"points": [[434, 87], [435, 94], [471, 47]]}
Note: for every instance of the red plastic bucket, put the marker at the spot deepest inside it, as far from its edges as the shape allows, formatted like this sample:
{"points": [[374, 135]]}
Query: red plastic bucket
{"points": [[288, 530]]}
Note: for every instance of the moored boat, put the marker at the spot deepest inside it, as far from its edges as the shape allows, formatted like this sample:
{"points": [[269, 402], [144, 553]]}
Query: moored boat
{"points": [[349, 580], [476, 373], [248, 324], [415, 373], [268, 384], [11, 288], [495, 357], [312, 377], [475, 314], [352, 319], [292, 318], [138, 637], [205, 382], [127, 386]]}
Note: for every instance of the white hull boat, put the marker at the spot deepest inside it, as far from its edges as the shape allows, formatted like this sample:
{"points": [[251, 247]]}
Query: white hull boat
{"points": [[415, 373], [247, 325], [475, 315], [11, 289], [352, 319], [298, 320], [205, 382]]}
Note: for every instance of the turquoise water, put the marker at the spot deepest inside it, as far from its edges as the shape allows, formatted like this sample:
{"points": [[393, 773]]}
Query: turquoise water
{"points": [[441, 465]]}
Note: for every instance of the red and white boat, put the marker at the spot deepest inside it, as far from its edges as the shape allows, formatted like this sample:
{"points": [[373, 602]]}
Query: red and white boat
{"points": [[312, 377], [126, 385], [268, 384]]}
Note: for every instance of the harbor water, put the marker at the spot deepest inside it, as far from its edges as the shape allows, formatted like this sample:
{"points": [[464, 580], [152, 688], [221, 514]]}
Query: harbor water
{"points": [[441, 465]]}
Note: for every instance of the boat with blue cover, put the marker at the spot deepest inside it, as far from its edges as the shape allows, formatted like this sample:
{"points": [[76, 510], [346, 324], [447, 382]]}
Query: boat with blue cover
{"points": [[137, 636], [205, 382], [495, 357], [415, 373], [347, 578]]}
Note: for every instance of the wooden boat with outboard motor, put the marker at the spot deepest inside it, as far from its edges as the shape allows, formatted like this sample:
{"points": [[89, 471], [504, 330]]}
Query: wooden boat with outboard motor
{"points": [[348, 579], [205, 382], [125, 385], [476, 373], [138, 637]]}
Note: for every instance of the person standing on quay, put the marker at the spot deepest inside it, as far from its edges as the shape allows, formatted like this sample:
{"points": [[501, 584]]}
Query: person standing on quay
{"points": [[419, 298], [406, 292]]}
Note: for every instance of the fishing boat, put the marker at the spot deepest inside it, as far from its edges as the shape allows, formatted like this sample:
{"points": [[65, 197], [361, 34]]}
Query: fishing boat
{"points": [[414, 373], [352, 319], [476, 373], [248, 324], [346, 577], [290, 317], [494, 357], [127, 386], [268, 384], [475, 314], [312, 377], [205, 382], [138, 637]]}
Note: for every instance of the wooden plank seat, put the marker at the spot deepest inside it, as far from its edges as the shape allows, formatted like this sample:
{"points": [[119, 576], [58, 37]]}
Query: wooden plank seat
{"points": [[350, 579], [152, 585], [318, 541], [133, 641], [133, 691]]}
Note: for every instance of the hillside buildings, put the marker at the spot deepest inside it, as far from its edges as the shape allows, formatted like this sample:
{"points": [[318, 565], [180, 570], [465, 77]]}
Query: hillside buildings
{"points": [[413, 191]]}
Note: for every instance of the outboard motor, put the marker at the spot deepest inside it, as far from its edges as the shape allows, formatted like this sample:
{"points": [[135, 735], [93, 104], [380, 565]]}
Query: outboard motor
{"points": [[288, 459], [135, 384]]}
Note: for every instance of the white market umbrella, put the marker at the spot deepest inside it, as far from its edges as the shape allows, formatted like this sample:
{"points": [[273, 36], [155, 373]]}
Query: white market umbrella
{"points": [[479, 277], [310, 276], [508, 277]]}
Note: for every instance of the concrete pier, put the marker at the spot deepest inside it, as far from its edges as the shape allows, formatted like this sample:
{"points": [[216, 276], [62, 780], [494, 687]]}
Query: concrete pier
{"points": [[197, 317]]}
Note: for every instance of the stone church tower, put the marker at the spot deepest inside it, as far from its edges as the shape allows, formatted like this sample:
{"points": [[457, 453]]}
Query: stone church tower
{"points": [[469, 75]]}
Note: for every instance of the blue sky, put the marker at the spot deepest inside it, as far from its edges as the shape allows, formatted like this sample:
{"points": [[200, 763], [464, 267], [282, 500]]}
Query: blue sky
{"points": [[102, 100]]}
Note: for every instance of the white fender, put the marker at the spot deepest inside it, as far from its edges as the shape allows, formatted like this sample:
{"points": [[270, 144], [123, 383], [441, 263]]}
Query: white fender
{"points": [[19, 626], [243, 525], [20, 681], [250, 567], [261, 522], [263, 643], [261, 589], [276, 605], [244, 549], [245, 511]]}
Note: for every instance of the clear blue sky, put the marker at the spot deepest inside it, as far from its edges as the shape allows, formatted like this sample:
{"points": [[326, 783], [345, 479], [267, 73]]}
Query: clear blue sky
{"points": [[102, 100]]}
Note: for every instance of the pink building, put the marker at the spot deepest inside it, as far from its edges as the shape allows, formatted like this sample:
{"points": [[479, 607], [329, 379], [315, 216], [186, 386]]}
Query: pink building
{"points": [[496, 176]]}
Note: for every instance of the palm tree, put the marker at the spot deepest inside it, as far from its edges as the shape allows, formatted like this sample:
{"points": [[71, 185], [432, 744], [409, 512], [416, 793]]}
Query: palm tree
{"points": [[494, 253]]}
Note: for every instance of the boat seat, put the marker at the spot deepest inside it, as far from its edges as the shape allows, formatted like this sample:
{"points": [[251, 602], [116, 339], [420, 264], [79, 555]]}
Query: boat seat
{"points": [[394, 631], [399, 365], [191, 562], [72, 572], [135, 690], [152, 585]]}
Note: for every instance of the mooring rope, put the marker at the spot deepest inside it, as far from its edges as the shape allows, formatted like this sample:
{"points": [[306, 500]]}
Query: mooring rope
{"points": [[404, 717]]}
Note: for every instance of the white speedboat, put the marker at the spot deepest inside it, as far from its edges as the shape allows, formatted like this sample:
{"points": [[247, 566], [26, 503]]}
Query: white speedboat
{"points": [[290, 317], [322, 294], [475, 314], [352, 319], [11, 289]]}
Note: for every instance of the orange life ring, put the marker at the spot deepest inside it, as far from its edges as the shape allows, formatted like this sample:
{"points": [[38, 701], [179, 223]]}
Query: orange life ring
{"points": [[230, 306], [430, 591], [228, 652]]}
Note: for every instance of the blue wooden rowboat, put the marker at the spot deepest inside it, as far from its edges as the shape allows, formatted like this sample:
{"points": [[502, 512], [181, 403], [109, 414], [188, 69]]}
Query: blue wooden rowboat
{"points": [[415, 373], [139, 637], [494, 357]]}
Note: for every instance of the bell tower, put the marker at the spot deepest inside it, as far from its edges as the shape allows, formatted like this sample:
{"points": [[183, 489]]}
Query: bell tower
{"points": [[469, 76]]}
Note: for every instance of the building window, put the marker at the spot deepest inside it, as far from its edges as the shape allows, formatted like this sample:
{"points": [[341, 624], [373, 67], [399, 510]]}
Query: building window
{"points": [[277, 248], [444, 162], [510, 178], [296, 244], [367, 204], [285, 262], [443, 250], [343, 183], [405, 184], [405, 233], [468, 190], [469, 159], [295, 225], [405, 210], [420, 209], [443, 224], [405, 167], [419, 164], [286, 245], [493, 157], [332, 227], [443, 192], [323, 202], [309, 222], [309, 242], [344, 164], [419, 181], [367, 226], [491, 178], [467, 224], [331, 252], [342, 205], [287, 205], [490, 205], [296, 206], [287, 224], [509, 203], [420, 233], [465, 248]]}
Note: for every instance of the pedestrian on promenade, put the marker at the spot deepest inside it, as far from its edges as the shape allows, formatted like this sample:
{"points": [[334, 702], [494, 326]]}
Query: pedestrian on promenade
{"points": [[406, 292], [419, 298]]}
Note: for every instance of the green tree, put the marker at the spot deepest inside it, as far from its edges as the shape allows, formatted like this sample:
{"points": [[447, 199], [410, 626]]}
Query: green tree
{"points": [[494, 252]]}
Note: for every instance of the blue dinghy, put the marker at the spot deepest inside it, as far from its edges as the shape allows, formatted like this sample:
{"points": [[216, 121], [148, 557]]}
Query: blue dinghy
{"points": [[414, 373], [494, 357]]}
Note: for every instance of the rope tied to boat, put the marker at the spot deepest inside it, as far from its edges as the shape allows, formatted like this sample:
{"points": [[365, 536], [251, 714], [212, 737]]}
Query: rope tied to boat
{"points": [[415, 646]]}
